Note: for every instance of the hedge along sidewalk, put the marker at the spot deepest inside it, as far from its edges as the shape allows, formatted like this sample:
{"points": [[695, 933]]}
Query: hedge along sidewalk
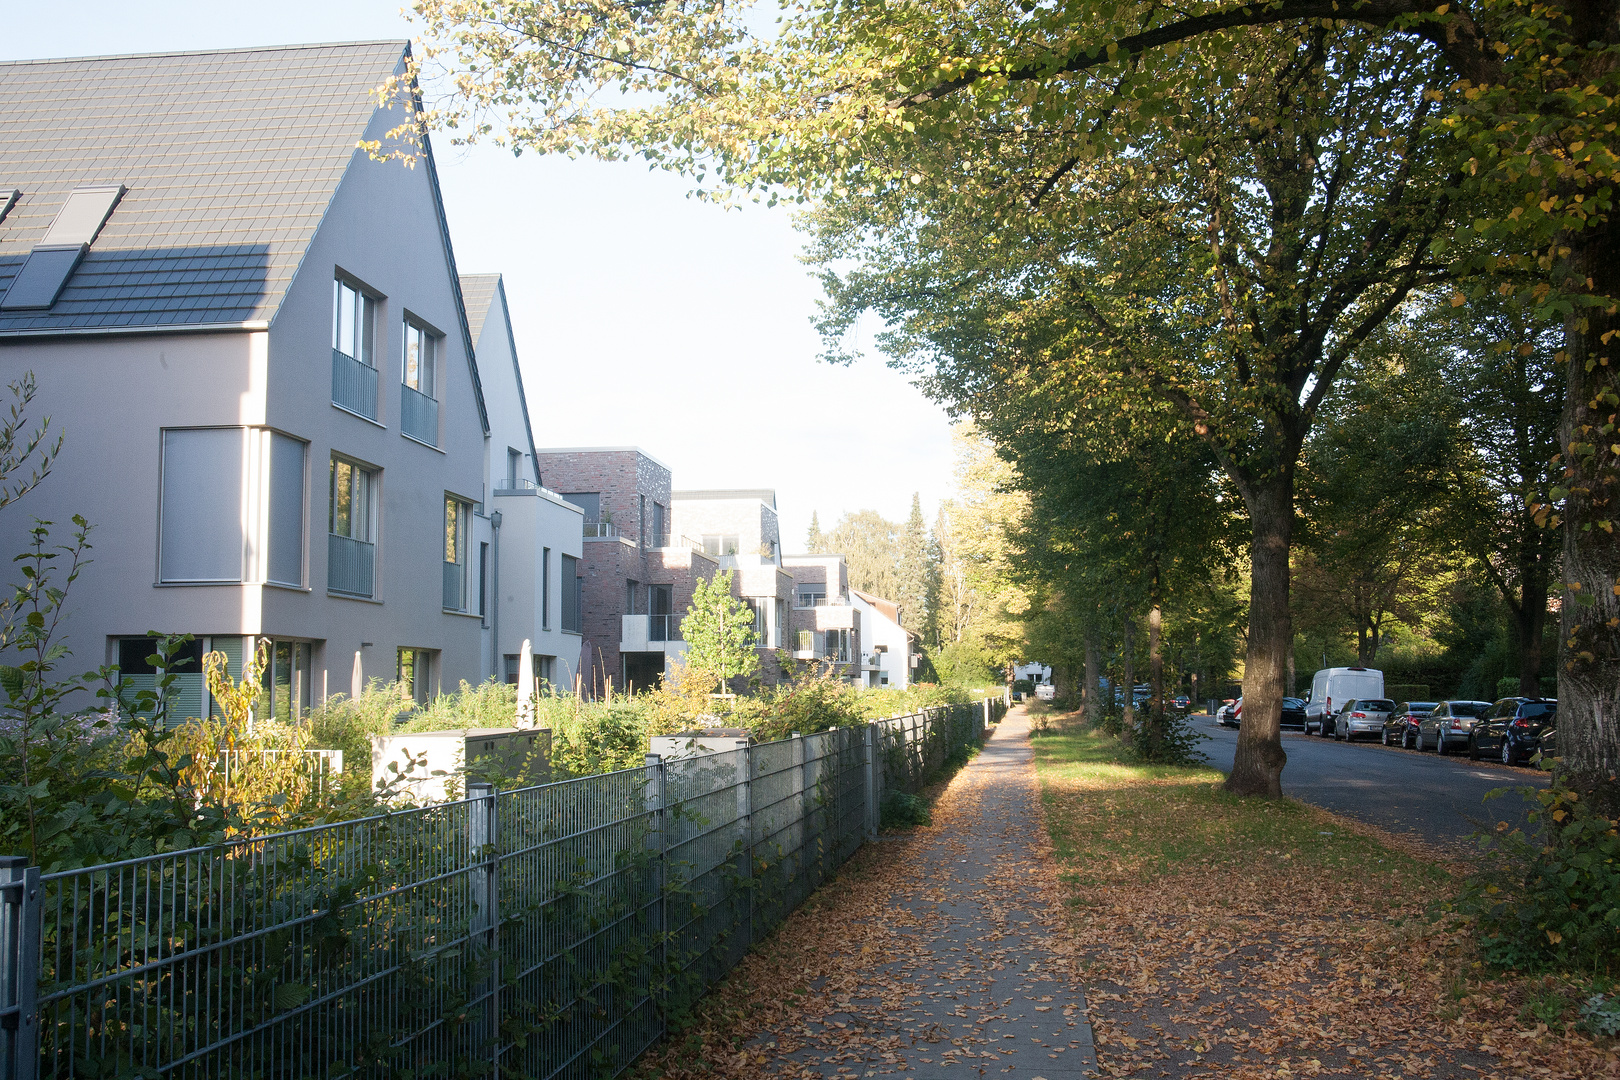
{"points": [[1248, 938], [930, 957]]}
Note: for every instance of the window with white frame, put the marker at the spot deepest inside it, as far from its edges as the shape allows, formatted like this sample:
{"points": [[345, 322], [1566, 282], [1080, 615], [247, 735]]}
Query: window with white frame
{"points": [[354, 323], [354, 349], [421, 356]]}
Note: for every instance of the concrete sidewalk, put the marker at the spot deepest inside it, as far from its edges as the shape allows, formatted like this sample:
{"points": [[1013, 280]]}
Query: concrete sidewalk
{"points": [[968, 985]]}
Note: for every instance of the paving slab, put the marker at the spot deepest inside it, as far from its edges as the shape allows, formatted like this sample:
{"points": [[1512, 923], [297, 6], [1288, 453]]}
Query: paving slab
{"points": [[972, 988]]}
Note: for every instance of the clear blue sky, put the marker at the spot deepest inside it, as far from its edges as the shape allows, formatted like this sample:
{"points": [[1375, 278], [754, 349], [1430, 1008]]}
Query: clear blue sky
{"points": [[642, 317]]}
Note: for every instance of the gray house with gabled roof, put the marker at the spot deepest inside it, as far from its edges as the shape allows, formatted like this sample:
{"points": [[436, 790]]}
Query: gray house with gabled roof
{"points": [[254, 340]]}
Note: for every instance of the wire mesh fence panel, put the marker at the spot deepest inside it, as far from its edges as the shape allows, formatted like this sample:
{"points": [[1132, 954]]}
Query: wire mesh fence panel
{"points": [[321, 952], [579, 925], [546, 932]]}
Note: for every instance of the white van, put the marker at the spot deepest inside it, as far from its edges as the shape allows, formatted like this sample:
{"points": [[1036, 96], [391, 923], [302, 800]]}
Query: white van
{"points": [[1332, 687], [1045, 691]]}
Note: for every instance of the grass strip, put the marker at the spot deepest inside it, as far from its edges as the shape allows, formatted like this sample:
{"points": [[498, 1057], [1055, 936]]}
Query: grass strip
{"points": [[1224, 936]]}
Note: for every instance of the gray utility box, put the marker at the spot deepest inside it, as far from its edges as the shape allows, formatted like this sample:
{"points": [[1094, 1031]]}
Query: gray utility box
{"points": [[432, 762], [692, 743]]}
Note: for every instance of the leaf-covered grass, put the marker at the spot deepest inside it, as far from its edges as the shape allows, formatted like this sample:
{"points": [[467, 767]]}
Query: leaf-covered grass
{"points": [[1165, 818], [1256, 936]]}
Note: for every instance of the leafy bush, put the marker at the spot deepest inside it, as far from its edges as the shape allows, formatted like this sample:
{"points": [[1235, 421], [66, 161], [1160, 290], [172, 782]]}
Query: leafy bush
{"points": [[488, 705], [1553, 903], [1023, 686], [1600, 1014], [1167, 738], [903, 810]]}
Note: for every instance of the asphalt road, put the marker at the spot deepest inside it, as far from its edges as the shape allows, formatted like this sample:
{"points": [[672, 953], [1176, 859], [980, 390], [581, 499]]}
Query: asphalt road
{"points": [[1438, 799]]}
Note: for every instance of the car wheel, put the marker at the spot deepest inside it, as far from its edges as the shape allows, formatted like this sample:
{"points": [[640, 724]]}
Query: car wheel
{"points": [[1473, 749], [1507, 751], [1406, 740], [1440, 744]]}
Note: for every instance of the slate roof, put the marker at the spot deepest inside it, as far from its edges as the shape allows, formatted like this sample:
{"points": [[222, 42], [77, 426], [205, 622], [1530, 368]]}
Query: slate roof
{"points": [[231, 159]]}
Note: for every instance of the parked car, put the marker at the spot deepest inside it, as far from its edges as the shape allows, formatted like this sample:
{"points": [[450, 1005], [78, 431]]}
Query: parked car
{"points": [[1046, 691], [1402, 723], [1447, 727], [1332, 687], [1512, 730], [1018, 695], [1228, 714], [1362, 716], [1182, 702], [1293, 713], [1548, 750]]}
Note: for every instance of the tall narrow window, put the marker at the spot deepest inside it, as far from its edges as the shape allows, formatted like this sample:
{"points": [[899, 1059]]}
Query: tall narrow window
{"points": [[514, 466], [483, 581], [572, 615], [419, 406], [351, 540], [456, 515], [660, 526], [545, 588], [354, 360], [200, 512], [285, 565], [641, 519], [665, 625]]}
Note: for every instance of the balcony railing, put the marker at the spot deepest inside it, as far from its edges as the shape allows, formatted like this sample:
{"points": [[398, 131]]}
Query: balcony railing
{"points": [[354, 385], [601, 530], [350, 566], [803, 602], [418, 415], [455, 587], [640, 633], [516, 487]]}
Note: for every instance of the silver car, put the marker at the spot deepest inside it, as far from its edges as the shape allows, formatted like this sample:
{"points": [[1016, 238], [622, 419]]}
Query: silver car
{"points": [[1446, 728], [1362, 716]]}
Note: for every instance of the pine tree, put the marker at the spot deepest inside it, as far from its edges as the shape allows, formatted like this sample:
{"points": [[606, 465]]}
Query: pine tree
{"points": [[912, 590], [814, 542]]}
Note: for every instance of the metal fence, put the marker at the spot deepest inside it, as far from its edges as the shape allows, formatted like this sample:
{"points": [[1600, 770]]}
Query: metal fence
{"points": [[545, 932]]}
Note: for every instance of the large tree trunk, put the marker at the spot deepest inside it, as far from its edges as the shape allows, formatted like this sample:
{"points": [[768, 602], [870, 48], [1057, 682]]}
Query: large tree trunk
{"points": [[1589, 668], [1093, 691], [1530, 624], [1258, 765]]}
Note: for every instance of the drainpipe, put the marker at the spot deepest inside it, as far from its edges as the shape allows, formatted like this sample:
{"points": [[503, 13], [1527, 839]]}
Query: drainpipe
{"points": [[495, 599]]}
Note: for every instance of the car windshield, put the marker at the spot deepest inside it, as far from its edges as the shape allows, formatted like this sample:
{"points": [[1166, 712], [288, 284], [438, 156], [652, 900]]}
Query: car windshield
{"points": [[1469, 708], [1536, 708], [1420, 706], [1293, 703], [1376, 705]]}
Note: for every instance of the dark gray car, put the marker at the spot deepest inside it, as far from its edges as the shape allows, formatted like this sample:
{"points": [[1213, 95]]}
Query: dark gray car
{"points": [[1446, 729]]}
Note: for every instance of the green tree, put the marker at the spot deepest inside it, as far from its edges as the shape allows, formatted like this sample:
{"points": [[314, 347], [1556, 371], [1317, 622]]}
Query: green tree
{"points": [[1380, 536], [998, 110], [1503, 370], [719, 631], [815, 543], [870, 545], [911, 588]]}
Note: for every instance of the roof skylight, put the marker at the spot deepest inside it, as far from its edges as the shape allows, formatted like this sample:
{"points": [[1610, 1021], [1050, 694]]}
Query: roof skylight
{"points": [[82, 216], [8, 199], [53, 260]]}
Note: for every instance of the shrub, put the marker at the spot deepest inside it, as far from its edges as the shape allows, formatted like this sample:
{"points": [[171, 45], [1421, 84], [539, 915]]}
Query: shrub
{"points": [[1167, 739], [488, 705], [1600, 1014], [903, 810], [1552, 903], [1023, 686]]}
